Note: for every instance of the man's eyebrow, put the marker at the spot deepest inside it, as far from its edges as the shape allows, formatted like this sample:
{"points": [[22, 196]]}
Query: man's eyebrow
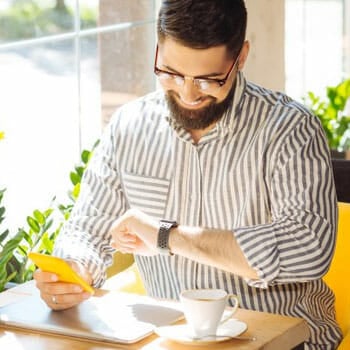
{"points": [[210, 75]]}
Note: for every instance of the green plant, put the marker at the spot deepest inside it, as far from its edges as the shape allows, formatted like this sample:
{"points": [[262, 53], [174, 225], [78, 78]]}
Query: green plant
{"points": [[333, 115], [15, 266], [43, 226]]}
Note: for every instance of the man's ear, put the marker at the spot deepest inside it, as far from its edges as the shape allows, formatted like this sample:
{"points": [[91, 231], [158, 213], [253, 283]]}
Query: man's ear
{"points": [[244, 54]]}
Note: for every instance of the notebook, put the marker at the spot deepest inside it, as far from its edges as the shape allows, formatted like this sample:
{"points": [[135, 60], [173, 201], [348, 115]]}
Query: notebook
{"points": [[113, 318]]}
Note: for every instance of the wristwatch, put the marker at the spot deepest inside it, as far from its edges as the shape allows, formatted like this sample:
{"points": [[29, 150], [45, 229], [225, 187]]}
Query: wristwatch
{"points": [[163, 236]]}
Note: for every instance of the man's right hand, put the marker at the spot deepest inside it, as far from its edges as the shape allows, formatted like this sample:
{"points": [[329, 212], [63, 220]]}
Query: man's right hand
{"points": [[61, 295]]}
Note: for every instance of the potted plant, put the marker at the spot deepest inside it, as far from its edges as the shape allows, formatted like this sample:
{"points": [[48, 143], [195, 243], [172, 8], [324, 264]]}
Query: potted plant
{"points": [[39, 235], [334, 113]]}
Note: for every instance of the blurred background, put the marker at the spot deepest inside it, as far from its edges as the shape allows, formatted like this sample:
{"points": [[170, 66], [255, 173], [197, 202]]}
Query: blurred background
{"points": [[66, 65]]}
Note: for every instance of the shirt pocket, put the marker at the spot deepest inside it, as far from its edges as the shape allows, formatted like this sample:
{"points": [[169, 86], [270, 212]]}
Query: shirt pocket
{"points": [[148, 194]]}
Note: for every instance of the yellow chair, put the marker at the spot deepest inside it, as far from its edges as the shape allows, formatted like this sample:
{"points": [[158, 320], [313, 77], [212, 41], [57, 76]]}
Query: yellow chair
{"points": [[338, 275], [120, 263], [124, 276]]}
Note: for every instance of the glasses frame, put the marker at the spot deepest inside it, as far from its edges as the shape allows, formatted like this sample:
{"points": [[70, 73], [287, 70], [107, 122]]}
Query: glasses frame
{"points": [[221, 82]]}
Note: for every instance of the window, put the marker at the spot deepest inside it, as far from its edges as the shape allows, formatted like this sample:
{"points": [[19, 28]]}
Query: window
{"points": [[317, 45], [64, 65]]}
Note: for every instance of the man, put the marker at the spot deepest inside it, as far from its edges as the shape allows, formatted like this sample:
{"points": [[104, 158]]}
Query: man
{"points": [[241, 173]]}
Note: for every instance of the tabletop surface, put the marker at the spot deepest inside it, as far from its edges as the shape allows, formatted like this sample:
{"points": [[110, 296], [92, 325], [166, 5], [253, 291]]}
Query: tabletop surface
{"points": [[272, 332]]}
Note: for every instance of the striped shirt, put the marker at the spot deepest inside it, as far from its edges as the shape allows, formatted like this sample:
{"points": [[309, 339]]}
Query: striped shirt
{"points": [[263, 172]]}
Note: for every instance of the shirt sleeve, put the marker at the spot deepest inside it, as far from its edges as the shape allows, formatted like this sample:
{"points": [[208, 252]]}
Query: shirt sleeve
{"points": [[85, 236], [298, 244]]}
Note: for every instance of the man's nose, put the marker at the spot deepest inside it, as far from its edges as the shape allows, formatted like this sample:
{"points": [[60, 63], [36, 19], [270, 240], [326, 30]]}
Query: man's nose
{"points": [[189, 91]]}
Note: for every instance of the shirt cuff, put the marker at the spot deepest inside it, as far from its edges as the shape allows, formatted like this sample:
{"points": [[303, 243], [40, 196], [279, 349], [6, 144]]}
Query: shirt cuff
{"points": [[86, 257], [258, 245]]}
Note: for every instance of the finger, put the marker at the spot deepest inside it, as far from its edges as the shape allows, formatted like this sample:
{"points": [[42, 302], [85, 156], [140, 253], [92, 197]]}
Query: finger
{"points": [[59, 288], [128, 244], [124, 237], [128, 240], [120, 244], [119, 230], [130, 247], [58, 307], [44, 276], [128, 237], [64, 301]]}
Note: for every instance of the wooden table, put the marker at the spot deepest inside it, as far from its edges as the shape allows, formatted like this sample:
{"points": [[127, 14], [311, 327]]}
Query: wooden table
{"points": [[273, 332]]}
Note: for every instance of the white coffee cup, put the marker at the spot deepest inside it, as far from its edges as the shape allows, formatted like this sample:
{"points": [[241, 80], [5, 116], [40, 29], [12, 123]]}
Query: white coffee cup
{"points": [[204, 308]]}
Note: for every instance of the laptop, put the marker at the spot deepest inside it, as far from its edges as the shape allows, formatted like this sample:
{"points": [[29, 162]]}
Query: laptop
{"points": [[113, 317]]}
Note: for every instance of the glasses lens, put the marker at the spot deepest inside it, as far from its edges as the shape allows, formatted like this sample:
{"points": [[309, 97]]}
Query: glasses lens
{"points": [[206, 85], [178, 80], [164, 76], [170, 79]]}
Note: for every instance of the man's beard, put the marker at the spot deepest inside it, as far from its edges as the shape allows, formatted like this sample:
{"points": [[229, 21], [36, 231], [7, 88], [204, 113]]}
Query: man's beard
{"points": [[195, 119]]}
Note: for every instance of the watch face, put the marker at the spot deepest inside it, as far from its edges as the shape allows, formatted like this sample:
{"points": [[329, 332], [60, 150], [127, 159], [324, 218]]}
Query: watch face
{"points": [[169, 223]]}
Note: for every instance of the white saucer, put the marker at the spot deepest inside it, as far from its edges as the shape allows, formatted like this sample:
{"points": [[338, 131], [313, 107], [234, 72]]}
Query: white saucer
{"points": [[182, 334]]}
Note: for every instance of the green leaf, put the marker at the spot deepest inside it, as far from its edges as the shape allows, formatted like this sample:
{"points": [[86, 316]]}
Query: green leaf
{"points": [[4, 278], [4, 235], [28, 238], [75, 178], [9, 247], [48, 224], [23, 250], [33, 224], [47, 244], [76, 191], [39, 217], [80, 171], [48, 212], [85, 156], [2, 193]]}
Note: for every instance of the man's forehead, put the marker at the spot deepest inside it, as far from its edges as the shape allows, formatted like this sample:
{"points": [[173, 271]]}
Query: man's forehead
{"points": [[172, 50]]}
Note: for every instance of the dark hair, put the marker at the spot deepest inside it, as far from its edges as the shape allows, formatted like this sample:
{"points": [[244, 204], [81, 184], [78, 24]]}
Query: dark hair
{"points": [[202, 24]]}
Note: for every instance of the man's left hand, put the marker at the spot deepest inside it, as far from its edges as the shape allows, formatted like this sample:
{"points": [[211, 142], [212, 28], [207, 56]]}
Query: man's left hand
{"points": [[135, 232]]}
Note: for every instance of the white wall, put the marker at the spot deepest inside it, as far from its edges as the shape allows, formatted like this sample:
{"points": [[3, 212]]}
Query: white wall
{"points": [[265, 32]]}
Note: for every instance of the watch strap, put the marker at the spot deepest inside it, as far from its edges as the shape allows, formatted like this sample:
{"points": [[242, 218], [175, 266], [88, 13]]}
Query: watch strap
{"points": [[165, 227]]}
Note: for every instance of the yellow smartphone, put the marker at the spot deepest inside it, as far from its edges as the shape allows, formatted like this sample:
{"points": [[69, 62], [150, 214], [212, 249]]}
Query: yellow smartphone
{"points": [[59, 267]]}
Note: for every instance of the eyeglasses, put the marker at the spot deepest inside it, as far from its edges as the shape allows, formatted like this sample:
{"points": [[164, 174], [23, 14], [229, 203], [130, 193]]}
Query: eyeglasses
{"points": [[206, 85]]}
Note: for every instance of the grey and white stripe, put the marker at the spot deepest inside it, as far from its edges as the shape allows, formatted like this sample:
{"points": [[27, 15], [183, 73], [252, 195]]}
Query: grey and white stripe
{"points": [[263, 172]]}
